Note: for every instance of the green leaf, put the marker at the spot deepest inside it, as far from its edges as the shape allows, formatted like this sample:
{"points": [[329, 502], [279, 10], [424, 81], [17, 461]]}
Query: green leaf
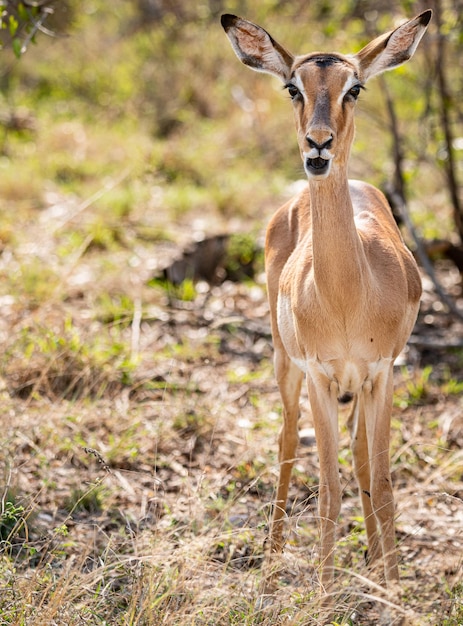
{"points": [[13, 25], [22, 12], [17, 47]]}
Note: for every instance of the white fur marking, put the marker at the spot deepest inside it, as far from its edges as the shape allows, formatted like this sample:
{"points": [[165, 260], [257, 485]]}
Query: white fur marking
{"points": [[350, 82], [300, 85]]}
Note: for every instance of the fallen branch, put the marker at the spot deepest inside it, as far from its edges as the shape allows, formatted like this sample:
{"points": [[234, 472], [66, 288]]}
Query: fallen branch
{"points": [[420, 342]]}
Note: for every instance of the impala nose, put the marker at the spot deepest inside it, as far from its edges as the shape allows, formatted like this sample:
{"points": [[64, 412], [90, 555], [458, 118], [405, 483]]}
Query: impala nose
{"points": [[320, 146]]}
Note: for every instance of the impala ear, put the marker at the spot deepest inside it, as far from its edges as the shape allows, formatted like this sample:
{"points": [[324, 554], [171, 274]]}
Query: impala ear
{"points": [[394, 48], [256, 48]]}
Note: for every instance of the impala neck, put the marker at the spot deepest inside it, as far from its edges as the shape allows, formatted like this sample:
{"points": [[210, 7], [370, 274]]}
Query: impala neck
{"points": [[338, 260]]}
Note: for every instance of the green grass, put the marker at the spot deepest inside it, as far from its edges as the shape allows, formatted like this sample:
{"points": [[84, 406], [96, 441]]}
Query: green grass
{"points": [[415, 387]]}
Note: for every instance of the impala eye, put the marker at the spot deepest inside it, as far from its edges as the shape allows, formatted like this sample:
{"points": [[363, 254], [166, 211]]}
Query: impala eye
{"points": [[354, 92], [292, 90]]}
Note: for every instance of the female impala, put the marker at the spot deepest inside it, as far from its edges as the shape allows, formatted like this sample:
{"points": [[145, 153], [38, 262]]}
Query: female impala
{"points": [[343, 289]]}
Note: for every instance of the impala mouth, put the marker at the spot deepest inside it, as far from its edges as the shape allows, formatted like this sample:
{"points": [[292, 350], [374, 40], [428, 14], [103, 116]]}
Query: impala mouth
{"points": [[317, 166]]}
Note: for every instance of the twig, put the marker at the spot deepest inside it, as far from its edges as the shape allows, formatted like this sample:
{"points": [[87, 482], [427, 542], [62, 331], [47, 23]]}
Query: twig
{"points": [[423, 257], [93, 198], [38, 26], [432, 344], [136, 320], [397, 195], [99, 458], [445, 101]]}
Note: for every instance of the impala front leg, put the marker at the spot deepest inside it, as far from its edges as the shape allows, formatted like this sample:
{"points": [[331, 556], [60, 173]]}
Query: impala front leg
{"points": [[289, 379], [378, 407], [324, 406]]}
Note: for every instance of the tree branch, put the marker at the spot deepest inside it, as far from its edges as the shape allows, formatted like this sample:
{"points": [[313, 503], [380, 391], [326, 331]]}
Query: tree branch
{"points": [[397, 196], [445, 101]]}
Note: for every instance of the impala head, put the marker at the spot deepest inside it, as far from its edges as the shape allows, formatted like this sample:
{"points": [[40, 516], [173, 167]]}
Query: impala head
{"points": [[324, 87]]}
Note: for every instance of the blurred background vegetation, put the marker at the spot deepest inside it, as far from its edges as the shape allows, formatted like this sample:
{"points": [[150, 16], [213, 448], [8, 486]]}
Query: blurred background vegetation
{"points": [[146, 96], [129, 130]]}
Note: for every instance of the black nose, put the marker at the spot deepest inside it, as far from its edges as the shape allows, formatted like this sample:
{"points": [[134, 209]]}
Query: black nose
{"points": [[319, 146]]}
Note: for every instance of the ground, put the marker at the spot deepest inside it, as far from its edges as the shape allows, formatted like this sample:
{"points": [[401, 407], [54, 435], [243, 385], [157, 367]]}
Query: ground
{"points": [[145, 498]]}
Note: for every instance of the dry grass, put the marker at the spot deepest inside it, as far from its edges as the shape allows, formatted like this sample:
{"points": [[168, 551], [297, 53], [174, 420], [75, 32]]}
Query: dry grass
{"points": [[138, 451], [148, 502]]}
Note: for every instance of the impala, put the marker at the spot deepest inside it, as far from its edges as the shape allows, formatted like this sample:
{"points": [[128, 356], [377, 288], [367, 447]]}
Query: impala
{"points": [[343, 288]]}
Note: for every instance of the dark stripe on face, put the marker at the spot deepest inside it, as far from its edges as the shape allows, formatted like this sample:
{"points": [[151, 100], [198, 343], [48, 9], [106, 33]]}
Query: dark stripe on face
{"points": [[323, 60], [322, 109]]}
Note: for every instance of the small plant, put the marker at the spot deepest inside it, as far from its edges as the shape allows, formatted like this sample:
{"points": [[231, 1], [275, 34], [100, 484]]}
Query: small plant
{"points": [[105, 236], [456, 612], [190, 422], [11, 517], [34, 283], [415, 388], [452, 387], [115, 308], [61, 531], [185, 291], [244, 257], [83, 500]]}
